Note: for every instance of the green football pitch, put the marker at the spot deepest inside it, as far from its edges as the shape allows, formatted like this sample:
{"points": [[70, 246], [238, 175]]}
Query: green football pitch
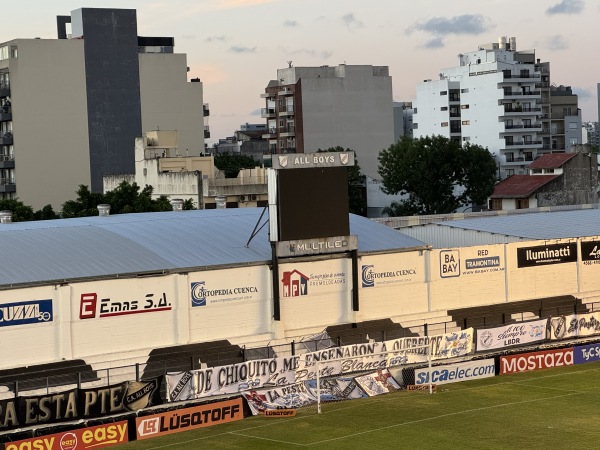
{"points": [[547, 409]]}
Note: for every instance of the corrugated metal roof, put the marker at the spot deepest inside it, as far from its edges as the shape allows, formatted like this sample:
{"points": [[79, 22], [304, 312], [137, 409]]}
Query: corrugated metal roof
{"points": [[93, 247], [551, 161], [518, 186], [550, 225]]}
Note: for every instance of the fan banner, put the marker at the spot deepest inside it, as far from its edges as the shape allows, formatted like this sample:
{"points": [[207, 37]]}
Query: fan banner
{"points": [[511, 335], [336, 389], [377, 383], [574, 325], [288, 397]]}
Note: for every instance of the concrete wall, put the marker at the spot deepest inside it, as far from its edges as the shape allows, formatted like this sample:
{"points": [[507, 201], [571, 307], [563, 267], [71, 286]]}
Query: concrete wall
{"points": [[352, 109], [49, 107], [112, 318], [170, 102], [578, 184]]}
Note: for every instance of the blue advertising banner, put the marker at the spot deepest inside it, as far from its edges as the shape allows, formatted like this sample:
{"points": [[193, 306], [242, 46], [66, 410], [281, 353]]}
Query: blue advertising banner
{"points": [[22, 313], [586, 353]]}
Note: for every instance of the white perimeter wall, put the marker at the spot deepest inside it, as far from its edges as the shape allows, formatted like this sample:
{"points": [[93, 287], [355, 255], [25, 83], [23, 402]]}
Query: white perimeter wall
{"points": [[113, 317]]}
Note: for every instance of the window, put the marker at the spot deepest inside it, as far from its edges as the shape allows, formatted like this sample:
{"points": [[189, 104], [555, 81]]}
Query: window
{"points": [[466, 138], [528, 156], [526, 123], [510, 172], [415, 111], [548, 170], [464, 90], [508, 140], [415, 126], [443, 92], [466, 122], [522, 203], [464, 106], [510, 157], [536, 171], [573, 125], [444, 108], [444, 124], [496, 204]]}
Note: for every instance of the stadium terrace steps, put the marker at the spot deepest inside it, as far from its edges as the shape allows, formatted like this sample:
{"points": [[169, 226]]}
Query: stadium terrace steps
{"points": [[191, 356], [379, 330], [499, 314], [438, 322], [48, 375]]}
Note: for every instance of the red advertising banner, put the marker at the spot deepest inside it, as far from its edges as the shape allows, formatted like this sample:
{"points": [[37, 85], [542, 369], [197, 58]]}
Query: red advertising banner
{"points": [[189, 418], [99, 436], [546, 359]]}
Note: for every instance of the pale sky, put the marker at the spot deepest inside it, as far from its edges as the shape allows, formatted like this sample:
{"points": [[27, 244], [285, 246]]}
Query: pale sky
{"points": [[236, 46]]}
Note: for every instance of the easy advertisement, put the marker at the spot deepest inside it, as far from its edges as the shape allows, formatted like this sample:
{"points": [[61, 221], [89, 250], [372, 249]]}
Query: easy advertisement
{"points": [[105, 435]]}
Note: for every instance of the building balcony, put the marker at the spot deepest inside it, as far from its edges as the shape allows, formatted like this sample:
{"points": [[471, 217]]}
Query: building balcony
{"points": [[286, 110], [516, 111], [4, 90], [206, 110], [455, 115], [7, 162], [456, 130], [206, 132], [5, 116], [287, 131], [512, 77], [543, 84], [7, 185], [521, 94], [266, 113], [267, 95], [6, 138], [523, 144], [285, 91], [272, 134], [454, 98]]}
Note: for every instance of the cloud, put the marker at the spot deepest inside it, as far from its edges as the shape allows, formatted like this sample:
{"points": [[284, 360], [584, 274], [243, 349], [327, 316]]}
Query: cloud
{"points": [[583, 93], [465, 24], [221, 38], [290, 23], [351, 22], [240, 49], [557, 42], [436, 42], [566, 7], [324, 54]]}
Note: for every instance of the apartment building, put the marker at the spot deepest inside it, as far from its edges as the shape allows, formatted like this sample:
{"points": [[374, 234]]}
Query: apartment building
{"points": [[311, 108], [502, 99], [72, 107]]}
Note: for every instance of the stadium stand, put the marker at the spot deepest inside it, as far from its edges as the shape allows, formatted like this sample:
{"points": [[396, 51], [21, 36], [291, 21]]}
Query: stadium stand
{"points": [[499, 314], [39, 376], [379, 330]]}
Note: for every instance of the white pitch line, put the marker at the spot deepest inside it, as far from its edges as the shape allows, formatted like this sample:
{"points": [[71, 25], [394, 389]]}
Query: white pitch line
{"points": [[412, 422], [237, 433]]}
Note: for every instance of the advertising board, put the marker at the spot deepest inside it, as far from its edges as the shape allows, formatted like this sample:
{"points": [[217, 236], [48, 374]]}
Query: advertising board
{"points": [[511, 335], [546, 359], [453, 373], [586, 353], [185, 419], [105, 435]]}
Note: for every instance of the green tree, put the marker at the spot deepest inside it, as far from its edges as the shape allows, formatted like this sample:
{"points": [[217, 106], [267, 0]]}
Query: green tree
{"points": [[125, 198], [232, 163], [85, 205], [20, 211], [46, 213], [438, 174], [357, 198]]}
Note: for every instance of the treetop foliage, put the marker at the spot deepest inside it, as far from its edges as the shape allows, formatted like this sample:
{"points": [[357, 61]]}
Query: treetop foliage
{"points": [[437, 174]]}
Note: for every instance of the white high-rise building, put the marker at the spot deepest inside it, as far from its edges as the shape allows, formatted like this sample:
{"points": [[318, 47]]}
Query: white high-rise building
{"points": [[499, 98]]}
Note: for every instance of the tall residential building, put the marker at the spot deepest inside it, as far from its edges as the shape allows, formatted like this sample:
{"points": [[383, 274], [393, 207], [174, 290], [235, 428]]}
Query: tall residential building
{"points": [[73, 106], [311, 108], [502, 99]]}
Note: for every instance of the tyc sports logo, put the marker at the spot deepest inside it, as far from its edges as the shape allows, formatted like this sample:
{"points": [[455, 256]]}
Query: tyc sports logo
{"points": [[199, 294], [295, 284]]}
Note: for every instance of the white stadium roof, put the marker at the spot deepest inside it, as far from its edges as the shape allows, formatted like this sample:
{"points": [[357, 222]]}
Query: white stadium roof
{"points": [[63, 250]]}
